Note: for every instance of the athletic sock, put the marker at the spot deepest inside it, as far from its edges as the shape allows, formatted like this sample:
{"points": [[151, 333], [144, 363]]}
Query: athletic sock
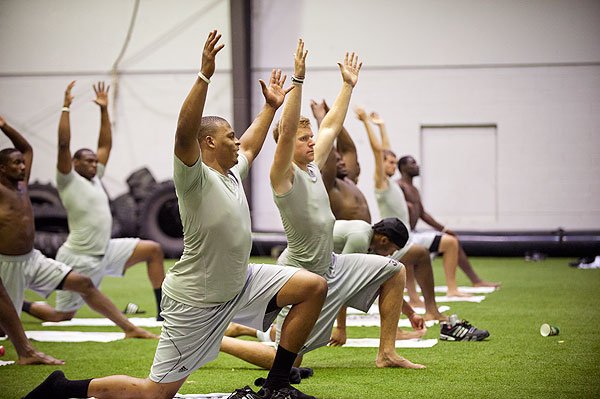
{"points": [[58, 386], [279, 375], [26, 307], [158, 296]]}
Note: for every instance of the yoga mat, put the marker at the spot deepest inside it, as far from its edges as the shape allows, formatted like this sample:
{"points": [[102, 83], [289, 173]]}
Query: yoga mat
{"points": [[374, 343], [438, 299], [72, 336], [467, 290], [202, 396], [6, 362], [102, 322], [368, 320], [375, 309]]}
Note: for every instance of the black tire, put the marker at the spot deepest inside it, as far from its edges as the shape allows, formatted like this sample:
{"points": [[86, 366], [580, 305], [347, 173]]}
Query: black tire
{"points": [[50, 219], [44, 194], [141, 183], [49, 243], [124, 210], [160, 221]]}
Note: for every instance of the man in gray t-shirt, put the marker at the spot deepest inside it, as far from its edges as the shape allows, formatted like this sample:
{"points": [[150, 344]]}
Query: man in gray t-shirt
{"points": [[213, 284], [89, 248]]}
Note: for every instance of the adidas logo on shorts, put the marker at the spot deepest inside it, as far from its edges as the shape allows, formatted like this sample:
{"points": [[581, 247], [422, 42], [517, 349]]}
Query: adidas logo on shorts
{"points": [[182, 369]]}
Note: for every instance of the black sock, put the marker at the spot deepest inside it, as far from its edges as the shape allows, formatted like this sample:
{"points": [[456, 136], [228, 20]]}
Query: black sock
{"points": [[279, 375], [26, 307], [57, 386], [158, 296]]}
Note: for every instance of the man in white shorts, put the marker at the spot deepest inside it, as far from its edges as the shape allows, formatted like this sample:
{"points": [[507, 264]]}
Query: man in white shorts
{"points": [[213, 284], [23, 267], [89, 248]]}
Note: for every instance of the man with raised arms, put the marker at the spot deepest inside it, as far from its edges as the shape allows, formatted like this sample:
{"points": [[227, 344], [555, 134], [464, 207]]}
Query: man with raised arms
{"points": [[22, 266], [213, 284], [89, 248]]}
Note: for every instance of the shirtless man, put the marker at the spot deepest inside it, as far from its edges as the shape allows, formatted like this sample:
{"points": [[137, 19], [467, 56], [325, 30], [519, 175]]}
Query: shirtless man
{"points": [[22, 266], [89, 248], [409, 169], [213, 283], [349, 203]]}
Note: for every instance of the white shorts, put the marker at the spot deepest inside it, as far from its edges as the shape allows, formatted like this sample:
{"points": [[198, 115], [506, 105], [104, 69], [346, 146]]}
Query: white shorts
{"points": [[112, 263], [353, 280], [426, 239], [30, 271], [191, 336]]}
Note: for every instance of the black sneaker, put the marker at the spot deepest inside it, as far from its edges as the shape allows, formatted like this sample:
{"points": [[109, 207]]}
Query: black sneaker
{"points": [[244, 393], [461, 330], [288, 392]]}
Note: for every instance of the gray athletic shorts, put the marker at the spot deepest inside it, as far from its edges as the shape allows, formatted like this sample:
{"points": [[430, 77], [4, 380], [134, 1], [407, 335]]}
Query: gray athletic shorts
{"points": [[191, 336], [112, 263], [353, 280], [30, 271]]}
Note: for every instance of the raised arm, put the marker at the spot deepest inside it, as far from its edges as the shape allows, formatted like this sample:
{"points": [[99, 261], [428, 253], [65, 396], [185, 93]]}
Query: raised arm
{"points": [[253, 138], [105, 136], [63, 163], [381, 180], [187, 147], [282, 172], [20, 144], [332, 123], [385, 141]]}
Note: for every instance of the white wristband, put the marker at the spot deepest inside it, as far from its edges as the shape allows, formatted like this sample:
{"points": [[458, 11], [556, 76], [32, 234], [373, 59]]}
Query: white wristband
{"points": [[204, 78], [65, 109]]}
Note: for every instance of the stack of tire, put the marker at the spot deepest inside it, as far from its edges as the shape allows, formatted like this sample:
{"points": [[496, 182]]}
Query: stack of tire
{"points": [[149, 210]]}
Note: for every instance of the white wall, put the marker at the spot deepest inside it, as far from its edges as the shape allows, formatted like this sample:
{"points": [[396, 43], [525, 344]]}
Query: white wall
{"points": [[530, 68], [46, 44]]}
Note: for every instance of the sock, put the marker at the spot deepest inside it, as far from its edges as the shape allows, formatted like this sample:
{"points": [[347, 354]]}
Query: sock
{"points": [[57, 386], [279, 375], [26, 307], [158, 296]]}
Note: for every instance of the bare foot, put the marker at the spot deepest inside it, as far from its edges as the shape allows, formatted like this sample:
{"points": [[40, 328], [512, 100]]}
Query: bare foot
{"points": [[37, 357], [338, 337], [395, 360], [458, 294], [486, 284], [140, 333], [416, 303], [404, 334], [436, 316]]}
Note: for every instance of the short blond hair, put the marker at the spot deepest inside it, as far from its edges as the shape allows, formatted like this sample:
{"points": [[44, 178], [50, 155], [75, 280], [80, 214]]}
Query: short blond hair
{"points": [[303, 122]]}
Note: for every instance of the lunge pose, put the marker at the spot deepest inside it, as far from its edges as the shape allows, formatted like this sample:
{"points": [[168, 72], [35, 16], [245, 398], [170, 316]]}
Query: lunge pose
{"points": [[89, 248], [22, 266], [213, 284]]}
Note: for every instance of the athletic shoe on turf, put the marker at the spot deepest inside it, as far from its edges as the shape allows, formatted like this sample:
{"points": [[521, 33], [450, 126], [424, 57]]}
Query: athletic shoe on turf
{"points": [[244, 393], [288, 392], [461, 331]]}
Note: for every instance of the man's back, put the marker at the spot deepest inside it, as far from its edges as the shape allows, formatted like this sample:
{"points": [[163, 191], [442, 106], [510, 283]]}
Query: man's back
{"points": [[347, 201]]}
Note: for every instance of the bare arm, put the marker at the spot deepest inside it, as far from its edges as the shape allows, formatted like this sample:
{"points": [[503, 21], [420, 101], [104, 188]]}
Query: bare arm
{"points": [[64, 134], [20, 144], [381, 180], [105, 136], [329, 171], [385, 141], [347, 149], [282, 172], [427, 218], [253, 139], [332, 123], [187, 147]]}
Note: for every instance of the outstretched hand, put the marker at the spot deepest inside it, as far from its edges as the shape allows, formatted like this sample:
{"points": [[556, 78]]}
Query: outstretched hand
{"points": [[68, 97], [319, 110], [376, 119], [101, 94], [209, 53], [2, 121], [360, 113], [275, 93], [350, 69], [300, 60]]}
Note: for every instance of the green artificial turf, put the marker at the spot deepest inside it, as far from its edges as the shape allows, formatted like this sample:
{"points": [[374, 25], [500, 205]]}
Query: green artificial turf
{"points": [[515, 362]]}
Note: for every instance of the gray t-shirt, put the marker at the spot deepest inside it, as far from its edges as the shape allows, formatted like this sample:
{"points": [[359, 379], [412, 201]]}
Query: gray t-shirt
{"points": [[217, 234], [392, 204], [307, 221], [352, 237], [88, 212]]}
